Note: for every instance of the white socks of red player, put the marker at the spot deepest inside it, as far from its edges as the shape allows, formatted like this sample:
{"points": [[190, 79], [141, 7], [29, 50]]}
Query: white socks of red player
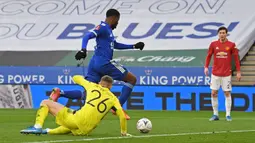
{"points": [[215, 104], [228, 104]]}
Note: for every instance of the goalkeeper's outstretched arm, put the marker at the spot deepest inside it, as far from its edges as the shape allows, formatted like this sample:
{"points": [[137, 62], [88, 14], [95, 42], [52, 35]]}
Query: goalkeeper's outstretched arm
{"points": [[122, 118]]}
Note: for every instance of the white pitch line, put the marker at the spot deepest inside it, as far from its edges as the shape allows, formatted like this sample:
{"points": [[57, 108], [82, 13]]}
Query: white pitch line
{"points": [[197, 118], [145, 136]]}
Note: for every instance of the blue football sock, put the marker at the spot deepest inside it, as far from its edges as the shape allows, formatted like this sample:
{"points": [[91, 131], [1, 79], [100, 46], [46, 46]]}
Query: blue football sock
{"points": [[125, 93], [72, 94]]}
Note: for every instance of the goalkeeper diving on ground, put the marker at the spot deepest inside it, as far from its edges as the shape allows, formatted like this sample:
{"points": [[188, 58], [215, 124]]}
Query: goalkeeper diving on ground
{"points": [[99, 101]]}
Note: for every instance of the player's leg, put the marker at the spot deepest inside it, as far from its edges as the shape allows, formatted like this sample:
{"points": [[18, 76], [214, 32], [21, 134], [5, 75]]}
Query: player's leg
{"points": [[46, 106], [92, 76], [215, 105], [130, 81], [55, 94], [70, 94], [67, 121], [228, 104], [227, 87], [57, 131], [119, 72], [215, 85]]}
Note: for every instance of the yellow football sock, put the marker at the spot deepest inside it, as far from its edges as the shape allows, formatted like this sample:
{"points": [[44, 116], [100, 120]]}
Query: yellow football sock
{"points": [[41, 115], [59, 130]]}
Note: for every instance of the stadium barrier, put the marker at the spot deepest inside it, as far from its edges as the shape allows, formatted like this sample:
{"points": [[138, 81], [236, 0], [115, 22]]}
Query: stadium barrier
{"points": [[158, 88], [182, 98], [63, 75]]}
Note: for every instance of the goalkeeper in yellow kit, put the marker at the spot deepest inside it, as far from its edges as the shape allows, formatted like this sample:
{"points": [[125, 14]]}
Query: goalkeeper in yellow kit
{"points": [[98, 102]]}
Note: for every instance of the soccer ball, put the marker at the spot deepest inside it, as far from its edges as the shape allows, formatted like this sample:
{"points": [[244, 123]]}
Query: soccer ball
{"points": [[144, 125]]}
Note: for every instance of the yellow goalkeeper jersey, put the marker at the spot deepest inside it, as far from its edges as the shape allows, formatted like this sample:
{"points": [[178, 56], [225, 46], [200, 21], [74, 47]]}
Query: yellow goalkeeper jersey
{"points": [[99, 101]]}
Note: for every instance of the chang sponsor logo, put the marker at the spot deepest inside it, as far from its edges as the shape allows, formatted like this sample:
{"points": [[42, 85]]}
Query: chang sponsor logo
{"points": [[151, 58]]}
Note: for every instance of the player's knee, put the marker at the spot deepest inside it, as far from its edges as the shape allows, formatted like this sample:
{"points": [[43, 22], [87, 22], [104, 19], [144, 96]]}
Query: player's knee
{"points": [[214, 93], [227, 93], [130, 78], [133, 80]]}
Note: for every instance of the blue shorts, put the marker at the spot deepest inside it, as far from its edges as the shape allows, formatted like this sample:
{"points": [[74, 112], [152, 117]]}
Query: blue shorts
{"points": [[98, 68]]}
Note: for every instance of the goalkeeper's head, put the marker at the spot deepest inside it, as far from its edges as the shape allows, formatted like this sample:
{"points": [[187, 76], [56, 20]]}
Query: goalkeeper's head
{"points": [[106, 81]]}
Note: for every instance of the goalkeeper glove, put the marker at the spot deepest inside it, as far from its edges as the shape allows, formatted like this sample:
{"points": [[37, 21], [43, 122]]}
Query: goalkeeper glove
{"points": [[82, 54], [139, 45]]}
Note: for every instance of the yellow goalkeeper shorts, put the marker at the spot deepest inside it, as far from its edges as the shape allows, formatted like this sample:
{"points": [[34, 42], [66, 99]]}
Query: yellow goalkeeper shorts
{"points": [[65, 117]]}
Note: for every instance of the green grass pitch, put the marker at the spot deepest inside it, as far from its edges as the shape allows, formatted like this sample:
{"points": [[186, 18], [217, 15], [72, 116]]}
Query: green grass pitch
{"points": [[168, 127]]}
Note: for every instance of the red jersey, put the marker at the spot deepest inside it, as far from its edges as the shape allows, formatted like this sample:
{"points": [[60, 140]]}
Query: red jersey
{"points": [[222, 54]]}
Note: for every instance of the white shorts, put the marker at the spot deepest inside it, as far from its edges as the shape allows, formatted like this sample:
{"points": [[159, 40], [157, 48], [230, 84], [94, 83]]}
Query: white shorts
{"points": [[224, 82]]}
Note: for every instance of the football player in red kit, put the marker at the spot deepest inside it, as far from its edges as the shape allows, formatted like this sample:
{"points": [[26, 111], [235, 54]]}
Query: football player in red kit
{"points": [[222, 51]]}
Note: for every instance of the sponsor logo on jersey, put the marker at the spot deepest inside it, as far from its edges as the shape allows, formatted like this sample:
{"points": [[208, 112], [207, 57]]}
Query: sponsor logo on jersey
{"points": [[222, 55]]}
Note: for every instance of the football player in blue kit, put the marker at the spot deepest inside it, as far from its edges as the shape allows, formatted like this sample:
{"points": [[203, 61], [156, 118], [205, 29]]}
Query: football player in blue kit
{"points": [[101, 63]]}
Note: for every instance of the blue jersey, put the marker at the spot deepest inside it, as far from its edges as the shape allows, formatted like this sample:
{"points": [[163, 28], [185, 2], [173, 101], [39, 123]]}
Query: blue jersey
{"points": [[101, 63], [105, 42]]}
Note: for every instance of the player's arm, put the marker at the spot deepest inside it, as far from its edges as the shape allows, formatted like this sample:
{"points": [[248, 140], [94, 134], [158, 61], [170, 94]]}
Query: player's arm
{"points": [[82, 54], [90, 35], [121, 46], [208, 59], [86, 38], [209, 56], [78, 79], [235, 53], [120, 113]]}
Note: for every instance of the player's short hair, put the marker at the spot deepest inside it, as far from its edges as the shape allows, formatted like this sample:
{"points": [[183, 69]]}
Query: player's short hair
{"points": [[112, 12], [107, 79], [223, 28]]}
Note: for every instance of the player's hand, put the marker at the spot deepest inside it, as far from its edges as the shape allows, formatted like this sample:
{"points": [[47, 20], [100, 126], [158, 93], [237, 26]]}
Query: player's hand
{"points": [[82, 54], [206, 71], [139, 45], [238, 76]]}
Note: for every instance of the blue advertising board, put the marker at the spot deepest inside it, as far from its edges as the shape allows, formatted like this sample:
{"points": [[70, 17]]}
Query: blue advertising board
{"points": [[63, 75], [183, 98]]}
